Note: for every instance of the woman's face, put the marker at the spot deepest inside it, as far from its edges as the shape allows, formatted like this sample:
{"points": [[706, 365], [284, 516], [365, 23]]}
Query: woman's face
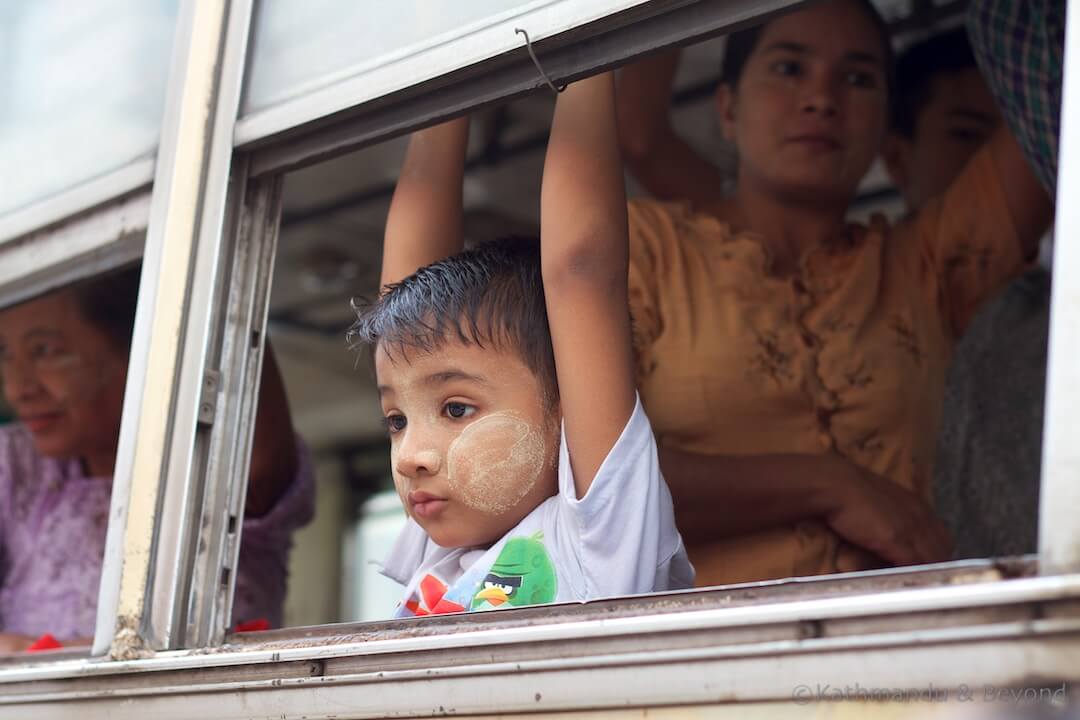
{"points": [[63, 377], [810, 110]]}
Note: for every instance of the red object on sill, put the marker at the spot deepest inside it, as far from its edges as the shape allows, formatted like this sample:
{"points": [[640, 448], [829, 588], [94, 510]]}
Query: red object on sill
{"points": [[257, 625], [45, 642]]}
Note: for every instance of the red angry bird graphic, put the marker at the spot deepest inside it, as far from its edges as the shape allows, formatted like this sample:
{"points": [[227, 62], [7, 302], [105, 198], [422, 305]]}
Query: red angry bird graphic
{"points": [[431, 601]]}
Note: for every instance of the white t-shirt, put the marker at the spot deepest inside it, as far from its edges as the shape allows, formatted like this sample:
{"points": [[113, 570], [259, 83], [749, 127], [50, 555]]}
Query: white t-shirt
{"points": [[620, 539]]}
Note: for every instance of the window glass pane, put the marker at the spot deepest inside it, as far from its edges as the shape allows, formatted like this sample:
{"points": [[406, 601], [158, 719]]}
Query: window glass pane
{"points": [[84, 88], [297, 47]]}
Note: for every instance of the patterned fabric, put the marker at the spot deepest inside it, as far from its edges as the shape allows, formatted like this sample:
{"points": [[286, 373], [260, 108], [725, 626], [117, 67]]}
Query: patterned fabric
{"points": [[849, 356], [53, 521], [1020, 46]]}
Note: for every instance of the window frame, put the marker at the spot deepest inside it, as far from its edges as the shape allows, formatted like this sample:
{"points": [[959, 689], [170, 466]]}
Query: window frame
{"points": [[214, 214]]}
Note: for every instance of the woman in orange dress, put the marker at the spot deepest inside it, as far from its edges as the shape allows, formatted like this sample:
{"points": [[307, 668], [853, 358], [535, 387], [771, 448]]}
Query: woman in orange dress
{"points": [[792, 363]]}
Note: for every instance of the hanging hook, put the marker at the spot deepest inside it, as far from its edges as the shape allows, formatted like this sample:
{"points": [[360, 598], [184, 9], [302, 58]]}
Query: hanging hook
{"points": [[536, 62]]}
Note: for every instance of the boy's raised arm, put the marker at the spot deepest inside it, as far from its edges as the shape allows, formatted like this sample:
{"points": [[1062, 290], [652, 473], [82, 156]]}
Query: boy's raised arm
{"points": [[583, 231], [425, 223]]}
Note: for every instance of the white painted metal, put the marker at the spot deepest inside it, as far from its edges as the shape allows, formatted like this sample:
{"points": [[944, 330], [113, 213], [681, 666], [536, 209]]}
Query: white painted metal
{"points": [[238, 330], [798, 672], [613, 40], [982, 596], [56, 208], [1059, 511], [125, 621], [188, 512], [85, 245], [412, 66]]}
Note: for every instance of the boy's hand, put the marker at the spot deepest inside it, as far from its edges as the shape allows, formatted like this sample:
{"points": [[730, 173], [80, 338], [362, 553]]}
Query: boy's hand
{"points": [[584, 256]]}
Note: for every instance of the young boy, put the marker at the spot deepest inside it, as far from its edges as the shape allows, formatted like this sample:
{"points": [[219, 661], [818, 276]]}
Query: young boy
{"points": [[479, 356]]}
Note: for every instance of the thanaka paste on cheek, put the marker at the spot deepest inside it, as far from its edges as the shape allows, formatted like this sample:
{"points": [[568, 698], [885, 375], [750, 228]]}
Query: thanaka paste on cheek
{"points": [[495, 463], [72, 378]]}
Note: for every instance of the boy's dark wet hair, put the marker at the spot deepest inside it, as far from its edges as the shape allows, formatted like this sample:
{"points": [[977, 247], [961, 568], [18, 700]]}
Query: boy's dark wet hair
{"points": [[919, 66], [490, 296], [741, 45]]}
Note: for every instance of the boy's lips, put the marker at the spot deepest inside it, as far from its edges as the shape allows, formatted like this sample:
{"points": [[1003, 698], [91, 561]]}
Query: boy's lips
{"points": [[817, 140], [424, 504]]}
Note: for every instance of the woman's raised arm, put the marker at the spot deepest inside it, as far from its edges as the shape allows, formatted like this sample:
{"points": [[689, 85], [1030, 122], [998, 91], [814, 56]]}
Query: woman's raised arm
{"points": [[655, 155]]}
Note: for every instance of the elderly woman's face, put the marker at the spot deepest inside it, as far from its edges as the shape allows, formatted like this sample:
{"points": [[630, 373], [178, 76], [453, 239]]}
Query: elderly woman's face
{"points": [[63, 377]]}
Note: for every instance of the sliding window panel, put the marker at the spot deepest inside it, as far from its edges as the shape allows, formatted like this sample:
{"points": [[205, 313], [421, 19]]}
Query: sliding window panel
{"points": [[80, 115], [157, 487], [88, 244], [297, 48], [572, 38], [314, 59]]}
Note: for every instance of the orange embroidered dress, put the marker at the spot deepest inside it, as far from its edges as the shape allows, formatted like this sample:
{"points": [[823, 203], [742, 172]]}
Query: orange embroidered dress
{"points": [[848, 356]]}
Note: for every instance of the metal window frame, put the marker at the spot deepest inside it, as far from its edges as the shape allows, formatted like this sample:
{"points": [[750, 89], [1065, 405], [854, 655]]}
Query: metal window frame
{"points": [[87, 244], [1059, 502], [210, 472], [156, 500], [609, 42], [965, 630], [597, 46], [212, 224], [132, 177]]}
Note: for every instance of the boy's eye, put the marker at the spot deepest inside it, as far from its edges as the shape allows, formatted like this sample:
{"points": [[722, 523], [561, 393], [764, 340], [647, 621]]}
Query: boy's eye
{"points": [[789, 68], [967, 135], [395, 423], [44, 350], [860, 79], [458, 410]]}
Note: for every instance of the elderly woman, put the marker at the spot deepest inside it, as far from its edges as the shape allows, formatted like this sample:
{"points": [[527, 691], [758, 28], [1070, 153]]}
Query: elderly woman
{"points": [[63, 362]]}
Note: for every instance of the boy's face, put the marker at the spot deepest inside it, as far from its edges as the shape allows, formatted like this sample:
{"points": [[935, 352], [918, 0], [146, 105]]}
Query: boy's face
{"points": [[959, 117], [473, 447]]}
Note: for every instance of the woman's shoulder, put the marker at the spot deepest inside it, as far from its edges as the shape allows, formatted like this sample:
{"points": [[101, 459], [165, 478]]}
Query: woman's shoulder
{"points": [[667, 223]]}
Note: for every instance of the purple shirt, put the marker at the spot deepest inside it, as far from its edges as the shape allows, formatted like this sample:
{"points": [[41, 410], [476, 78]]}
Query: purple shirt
{"points": [[53, 521]]}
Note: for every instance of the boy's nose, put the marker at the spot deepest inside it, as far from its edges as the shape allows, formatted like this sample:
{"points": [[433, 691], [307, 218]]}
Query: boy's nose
{"points": [[419, 462], [820, 95]]}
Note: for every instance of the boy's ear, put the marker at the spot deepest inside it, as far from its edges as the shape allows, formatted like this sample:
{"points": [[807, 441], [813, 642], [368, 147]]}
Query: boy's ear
{"points": [[725, 110], [896, 154]]}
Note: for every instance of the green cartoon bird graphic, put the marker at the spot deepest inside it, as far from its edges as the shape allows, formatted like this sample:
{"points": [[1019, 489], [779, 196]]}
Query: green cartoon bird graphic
{"points": [[522, 575]]}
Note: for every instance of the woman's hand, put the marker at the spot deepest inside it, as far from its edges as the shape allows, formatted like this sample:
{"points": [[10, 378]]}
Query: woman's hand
{"points": [[887, 520], [724, 496], [12, 643]]}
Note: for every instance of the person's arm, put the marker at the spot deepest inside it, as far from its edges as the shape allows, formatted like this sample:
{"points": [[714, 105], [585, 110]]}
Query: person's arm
{"points": [[273, 453], [727, 496], [584, 249], [1026, 200], [657, 157], [13, 643], [426, 220]]}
